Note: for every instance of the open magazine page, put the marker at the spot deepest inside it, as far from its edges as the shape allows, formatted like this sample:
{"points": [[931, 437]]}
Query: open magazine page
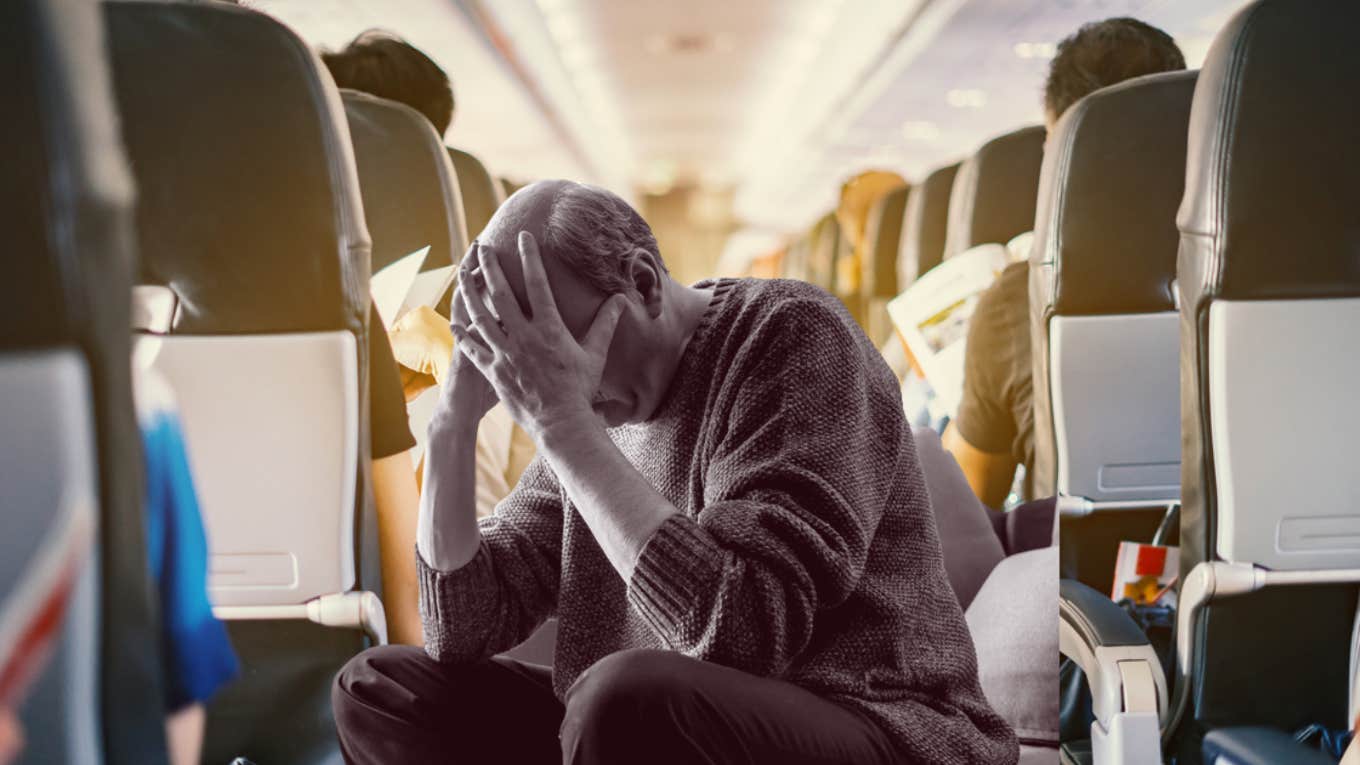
{"points": [[932, 316], [390, 285], [31, 614], [427, 289]]}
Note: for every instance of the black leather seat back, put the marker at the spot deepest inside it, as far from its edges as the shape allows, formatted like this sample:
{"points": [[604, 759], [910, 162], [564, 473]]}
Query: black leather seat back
{"points": [[66, 205], [1101, 274], [824, 248], [1272, 206], [924, 225], [482, 194], [251, 213], [883, 232], [410, 190], [249, 207], [995, 191], [1269, 283]]}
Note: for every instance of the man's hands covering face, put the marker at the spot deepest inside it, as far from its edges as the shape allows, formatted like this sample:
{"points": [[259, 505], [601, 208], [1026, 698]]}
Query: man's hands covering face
{"points": [[537, 369]]}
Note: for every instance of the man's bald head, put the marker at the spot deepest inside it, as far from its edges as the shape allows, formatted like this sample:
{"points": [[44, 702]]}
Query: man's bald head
{"points": [[587, 229]]}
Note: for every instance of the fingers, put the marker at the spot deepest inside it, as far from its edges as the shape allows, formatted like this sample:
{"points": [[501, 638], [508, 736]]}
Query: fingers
{"points": [[469, 260], [535, 277], [601, 332], [502, 298], [476, 349], [479, 317]]}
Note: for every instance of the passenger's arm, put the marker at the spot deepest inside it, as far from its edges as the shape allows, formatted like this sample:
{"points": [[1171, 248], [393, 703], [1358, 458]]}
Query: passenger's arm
{"points": [[990, 474], [484, 586], [184, 734], [396, 500], [981, 433]]}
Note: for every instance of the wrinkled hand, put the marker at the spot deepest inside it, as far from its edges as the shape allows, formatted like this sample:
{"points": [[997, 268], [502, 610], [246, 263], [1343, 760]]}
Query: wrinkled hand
{"points": [[538, 370]]}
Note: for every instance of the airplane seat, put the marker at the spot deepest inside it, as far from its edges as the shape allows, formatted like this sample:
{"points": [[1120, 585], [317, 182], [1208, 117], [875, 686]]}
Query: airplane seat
{"points": [[410, 190], [250, 213], [1010, 603], [823, 246], [995, 191], [924, 224], [1269, 294], [795, 263], [510, 186], [481, 193], [70, 461], [883, 232], [1269, 281], [1103, 318]]}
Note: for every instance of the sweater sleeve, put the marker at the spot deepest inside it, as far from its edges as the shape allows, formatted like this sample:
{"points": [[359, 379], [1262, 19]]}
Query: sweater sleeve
{"points": [[509, 588], [794, 490]]}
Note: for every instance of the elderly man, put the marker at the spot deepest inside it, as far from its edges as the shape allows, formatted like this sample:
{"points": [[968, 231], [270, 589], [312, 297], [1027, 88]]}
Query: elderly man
{"points": [[726, 516]]}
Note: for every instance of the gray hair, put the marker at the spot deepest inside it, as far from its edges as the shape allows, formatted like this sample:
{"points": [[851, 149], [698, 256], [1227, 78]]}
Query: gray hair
{"points": [[598, 235]]}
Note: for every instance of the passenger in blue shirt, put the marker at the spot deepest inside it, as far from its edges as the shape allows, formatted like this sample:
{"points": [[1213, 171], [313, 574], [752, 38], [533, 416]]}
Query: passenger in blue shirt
{"points": [[197, 655]]}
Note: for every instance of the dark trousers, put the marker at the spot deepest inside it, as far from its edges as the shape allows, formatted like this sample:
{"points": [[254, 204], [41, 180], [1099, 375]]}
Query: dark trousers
{"points": [[395, 704]]}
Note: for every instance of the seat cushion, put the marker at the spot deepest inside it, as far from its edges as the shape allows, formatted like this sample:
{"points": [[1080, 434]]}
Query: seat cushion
{"points": [[1014, 621], [971, 546]]}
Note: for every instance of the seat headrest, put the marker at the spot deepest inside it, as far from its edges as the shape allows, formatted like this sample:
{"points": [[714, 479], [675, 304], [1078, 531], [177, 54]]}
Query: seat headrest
{"points": [[883, 232], [995, 191], [249, 206], [65, 190], [924, 224], [481, 193], [1272, 202], [825, 242], [410, 191], [1105, 231]]}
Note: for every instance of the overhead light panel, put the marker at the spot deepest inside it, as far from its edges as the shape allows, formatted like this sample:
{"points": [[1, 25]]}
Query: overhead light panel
{"points": [[1040, 50], [966, 98], [920, 130]]}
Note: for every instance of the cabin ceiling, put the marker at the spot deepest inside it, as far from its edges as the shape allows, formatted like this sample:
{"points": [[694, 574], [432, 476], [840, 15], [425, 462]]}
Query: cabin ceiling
{"points": [[778, 100]]}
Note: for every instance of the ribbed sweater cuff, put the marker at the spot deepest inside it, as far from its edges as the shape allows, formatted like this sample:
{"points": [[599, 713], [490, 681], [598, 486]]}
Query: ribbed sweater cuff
{"points": [[453, 599], [678, 569]]}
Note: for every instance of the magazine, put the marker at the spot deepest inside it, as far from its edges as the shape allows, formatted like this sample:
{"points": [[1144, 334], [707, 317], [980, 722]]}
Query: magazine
{"points": [[402, 287], [932, 315], [1145, 574]]}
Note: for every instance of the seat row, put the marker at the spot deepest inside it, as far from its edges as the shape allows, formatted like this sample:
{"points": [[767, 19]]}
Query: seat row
{"points": [[202, 152]]}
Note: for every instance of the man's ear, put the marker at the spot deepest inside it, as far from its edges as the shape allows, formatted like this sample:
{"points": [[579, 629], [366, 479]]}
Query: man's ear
{"points": [[647, 278]]}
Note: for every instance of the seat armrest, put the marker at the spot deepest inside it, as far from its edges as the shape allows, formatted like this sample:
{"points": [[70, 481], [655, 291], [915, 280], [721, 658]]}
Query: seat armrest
{"points": [[1258, 746], [1128, 687]]}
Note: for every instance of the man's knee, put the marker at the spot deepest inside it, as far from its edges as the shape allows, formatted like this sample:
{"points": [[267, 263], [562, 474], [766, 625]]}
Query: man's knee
{"points": [[629, 699], [364, 677]]}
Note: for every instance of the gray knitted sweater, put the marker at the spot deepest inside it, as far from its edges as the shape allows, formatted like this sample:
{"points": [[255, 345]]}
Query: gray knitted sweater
{"points": [[804, 548]]}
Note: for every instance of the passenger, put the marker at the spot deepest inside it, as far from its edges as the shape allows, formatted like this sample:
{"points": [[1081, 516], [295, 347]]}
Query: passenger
{"points": [[387, 66], [197, 655], [993, 431], [726, 516]]}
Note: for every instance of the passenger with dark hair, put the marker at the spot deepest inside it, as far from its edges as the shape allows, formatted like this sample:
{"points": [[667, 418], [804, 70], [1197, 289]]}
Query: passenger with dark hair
{"points": [[726, 516], [993, 432], [387, 66]]}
